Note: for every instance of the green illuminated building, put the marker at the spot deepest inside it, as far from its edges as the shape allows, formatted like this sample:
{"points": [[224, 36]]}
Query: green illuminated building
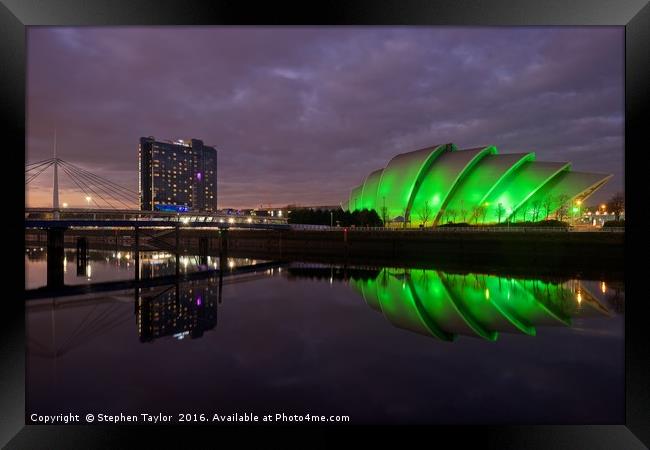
{"points": [[445, 305], [443, 184]]}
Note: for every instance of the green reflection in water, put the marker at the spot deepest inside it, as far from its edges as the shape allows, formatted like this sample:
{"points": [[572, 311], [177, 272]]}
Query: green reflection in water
{"points": [[445, 305]]}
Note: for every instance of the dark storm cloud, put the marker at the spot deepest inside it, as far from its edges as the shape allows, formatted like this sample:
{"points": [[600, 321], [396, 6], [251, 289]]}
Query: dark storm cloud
{"points": [[301, 115]]}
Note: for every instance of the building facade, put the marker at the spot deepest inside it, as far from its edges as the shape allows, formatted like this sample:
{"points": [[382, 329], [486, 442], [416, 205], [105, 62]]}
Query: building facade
{"points": [[177, 175]]}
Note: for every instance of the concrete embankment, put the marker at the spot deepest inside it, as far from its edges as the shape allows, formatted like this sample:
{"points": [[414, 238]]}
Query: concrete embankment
{"points": [[530, 252], [541, 251]]}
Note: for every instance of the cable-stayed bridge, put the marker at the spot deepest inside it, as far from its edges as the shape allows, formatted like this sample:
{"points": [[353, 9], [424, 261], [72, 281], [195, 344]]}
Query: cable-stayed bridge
{"points": [[114, 211]]}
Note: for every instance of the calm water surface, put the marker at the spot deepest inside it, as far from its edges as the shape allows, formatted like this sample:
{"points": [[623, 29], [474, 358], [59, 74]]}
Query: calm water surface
{"points": [[382, 345]]}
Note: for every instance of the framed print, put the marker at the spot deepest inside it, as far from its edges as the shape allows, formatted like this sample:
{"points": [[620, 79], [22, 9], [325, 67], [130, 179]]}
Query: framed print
{"points": [[406, 217]]}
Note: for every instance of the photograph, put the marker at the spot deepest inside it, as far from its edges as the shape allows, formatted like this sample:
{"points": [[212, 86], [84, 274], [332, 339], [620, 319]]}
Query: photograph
{"points": [[266, 223], [286, 226]]}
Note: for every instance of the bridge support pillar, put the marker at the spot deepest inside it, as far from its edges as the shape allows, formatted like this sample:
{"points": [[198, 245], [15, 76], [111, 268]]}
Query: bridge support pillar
{"points": [[223, 255], [82, 256], [178, 251], [223, 242], [136, 252], [55, 255], [221, 262], [203, 250]]}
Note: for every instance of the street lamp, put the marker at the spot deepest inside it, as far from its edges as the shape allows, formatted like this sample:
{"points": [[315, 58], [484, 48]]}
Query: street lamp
{"points": [[331, 218]]}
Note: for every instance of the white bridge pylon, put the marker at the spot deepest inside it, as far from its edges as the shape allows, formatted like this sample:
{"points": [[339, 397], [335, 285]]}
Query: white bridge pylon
{"points": [[103, 193]]}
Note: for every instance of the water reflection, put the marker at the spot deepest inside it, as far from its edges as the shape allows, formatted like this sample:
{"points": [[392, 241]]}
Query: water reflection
{"points": [[301, 338], [444, 305], [179, 312], [437, 304], [103, 265]]}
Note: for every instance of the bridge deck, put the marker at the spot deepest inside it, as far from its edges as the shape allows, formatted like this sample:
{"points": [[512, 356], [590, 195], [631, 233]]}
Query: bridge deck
{"points": [[147, 223]]}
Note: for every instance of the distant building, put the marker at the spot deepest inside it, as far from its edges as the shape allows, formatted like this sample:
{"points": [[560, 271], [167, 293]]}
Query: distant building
{"points": [[177, 175]]}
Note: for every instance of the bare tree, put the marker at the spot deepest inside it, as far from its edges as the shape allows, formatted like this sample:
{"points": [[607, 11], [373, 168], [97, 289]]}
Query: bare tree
{"points": [[616, 205], [536, 205], [513, 214], [425, 212], [476, 213], [451, 214], [500, 211], [384, 214], [547, 204], [484, 211], [563, 206], [463, 211]]}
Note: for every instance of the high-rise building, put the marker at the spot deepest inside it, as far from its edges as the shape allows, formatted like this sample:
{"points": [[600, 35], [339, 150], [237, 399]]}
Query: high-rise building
{"points": [[177, 175]]}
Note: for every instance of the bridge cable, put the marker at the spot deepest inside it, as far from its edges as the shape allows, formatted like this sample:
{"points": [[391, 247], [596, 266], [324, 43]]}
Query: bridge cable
{"points": [[110, 191], [81, 184], [124, 192], [77, 181], [105, 180], [103, 188], [90, 188], [38, 163], [32, 176]]}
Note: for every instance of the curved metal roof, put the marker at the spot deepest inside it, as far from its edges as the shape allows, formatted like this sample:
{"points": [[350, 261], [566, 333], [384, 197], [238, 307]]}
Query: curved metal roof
{"points": [[476, 181], [369, 193], [402, 175], [517, 187], [355, 198], [440, 179], [472, 190], [572, 186]]}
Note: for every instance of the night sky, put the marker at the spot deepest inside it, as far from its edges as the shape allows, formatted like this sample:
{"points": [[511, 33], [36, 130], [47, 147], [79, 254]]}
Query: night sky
{"points": [[302, 115]]}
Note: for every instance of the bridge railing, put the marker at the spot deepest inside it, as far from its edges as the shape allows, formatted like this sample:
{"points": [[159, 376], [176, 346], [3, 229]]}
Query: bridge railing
{"points": [[183, 217]]}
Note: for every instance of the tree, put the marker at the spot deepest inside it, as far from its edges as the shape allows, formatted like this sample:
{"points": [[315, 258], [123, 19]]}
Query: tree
{"points": [[463, 211], [513, 214], [476, 213], [525, 211], [362, 217], [563, 206], [384, 211], [547, 204], [536, 205], [424, 213], [384, 214], [500, 211], [484, 211], [451, 215], [616, 205]]}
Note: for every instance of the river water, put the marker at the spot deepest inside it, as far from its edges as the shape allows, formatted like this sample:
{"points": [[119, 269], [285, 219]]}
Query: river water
{"points": [[378, 344]]}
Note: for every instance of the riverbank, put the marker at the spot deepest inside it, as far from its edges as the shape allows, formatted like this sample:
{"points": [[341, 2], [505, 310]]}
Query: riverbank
{"points": [[540, 252]]}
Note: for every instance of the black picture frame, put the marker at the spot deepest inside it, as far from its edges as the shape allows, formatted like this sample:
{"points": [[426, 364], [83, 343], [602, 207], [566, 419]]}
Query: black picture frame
{"points": [[634, 15]]}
